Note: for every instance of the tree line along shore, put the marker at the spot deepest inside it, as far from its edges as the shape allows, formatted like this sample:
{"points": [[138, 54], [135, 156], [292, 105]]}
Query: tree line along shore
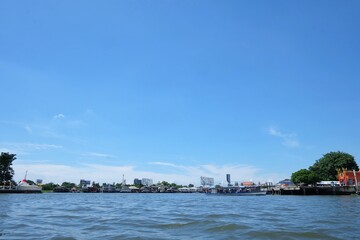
{"points": [[327, 168]]}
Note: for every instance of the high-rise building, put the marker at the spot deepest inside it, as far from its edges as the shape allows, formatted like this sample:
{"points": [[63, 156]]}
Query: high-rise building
{"points": [[137, 181], [147, 182], [207, 181], [228, 178]]}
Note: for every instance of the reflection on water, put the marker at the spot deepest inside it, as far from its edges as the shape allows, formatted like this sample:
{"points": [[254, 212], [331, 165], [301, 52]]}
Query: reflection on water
{"points": [[177, 216]]}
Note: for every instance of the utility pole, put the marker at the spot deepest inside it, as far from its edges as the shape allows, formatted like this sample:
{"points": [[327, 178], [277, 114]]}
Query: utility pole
{"points": [[356, 182]]}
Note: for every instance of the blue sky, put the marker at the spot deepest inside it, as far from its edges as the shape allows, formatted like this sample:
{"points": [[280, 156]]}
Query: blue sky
{"points": [[173, 90]]}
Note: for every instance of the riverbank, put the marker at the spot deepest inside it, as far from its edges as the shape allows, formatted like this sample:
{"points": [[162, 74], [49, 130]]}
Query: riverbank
{"points": [[314, 190], [19, 191]]}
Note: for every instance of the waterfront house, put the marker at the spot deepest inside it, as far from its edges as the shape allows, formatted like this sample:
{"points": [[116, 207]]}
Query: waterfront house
{"points": [[108, 188], [348, 177], [328, 183], [248, 184], [285, 184], [134, 189]]}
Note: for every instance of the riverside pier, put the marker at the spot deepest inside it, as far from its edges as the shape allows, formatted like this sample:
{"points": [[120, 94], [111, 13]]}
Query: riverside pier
{"points": [[314, 190]]}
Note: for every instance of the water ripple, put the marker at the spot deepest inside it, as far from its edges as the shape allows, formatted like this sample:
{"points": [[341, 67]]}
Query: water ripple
{"points": [[176, 216]]}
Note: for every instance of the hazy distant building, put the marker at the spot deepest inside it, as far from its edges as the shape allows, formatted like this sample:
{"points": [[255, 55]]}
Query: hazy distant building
{"points": [[207, 181], [137, 181], [146, 181], [228, 179], [123, 183], [84, 182], [106, 187]]}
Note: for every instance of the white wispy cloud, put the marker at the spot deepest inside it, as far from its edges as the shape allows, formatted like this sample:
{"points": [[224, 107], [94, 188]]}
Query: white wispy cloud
{"points": [[37, 146], [59, 173], [59, 116], [28, 129], [24, 148], [165, 164], [288, 139], [218, 172], [9, 150], [100, 155], [22, 125]]}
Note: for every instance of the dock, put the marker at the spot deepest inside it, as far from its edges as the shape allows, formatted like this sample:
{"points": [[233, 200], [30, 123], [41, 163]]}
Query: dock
{"points": [[314, 190]]}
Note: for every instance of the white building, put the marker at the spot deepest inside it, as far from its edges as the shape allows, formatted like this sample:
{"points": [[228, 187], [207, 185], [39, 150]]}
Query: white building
{"points": [[146, 181]]}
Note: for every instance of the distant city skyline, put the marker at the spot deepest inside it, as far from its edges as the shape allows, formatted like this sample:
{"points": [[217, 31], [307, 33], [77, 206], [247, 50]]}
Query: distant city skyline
{"points": [[176, 90]]}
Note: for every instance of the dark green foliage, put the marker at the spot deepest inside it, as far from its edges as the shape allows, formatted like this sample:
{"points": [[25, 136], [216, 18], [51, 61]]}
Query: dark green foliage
{"points": [[325, 169], [30, 182], [327, 166], [68, 185], [174, 185], [168, 185], [305, 176], [49, 186], [6, 171], [164, 183]]}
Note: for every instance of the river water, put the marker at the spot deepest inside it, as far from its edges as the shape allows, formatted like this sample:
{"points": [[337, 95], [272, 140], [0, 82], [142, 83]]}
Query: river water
{"points": [[177, 216]]}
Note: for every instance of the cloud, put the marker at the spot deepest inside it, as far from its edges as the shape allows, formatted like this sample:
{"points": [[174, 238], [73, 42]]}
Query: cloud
{"points": [[95, 154], [28, 129], [164, 164], [289, 140], [24, 148], [7, 150], [71, 123], [59, 173], [59, 116], [37, 146], [218, 172]]}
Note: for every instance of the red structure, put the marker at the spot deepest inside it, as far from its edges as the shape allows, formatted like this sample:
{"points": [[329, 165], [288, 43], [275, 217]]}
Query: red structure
{"points": [[348, 177], [247, 184]]}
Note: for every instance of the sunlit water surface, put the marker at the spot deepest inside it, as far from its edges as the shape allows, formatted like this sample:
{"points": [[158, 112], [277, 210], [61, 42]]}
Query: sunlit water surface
{"points": [[177, 216]]}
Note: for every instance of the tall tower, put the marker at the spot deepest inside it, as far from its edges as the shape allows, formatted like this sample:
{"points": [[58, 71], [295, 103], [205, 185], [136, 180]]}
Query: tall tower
{"points": [[123, 183], [228, 179]]}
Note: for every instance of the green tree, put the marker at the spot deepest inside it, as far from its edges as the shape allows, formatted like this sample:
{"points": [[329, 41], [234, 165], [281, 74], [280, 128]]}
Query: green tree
{"points": [[31, 182], [174, 185], [6, 171], [49, 186], [305, 176], [164, 183], [68, 185], [326, 167]]}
